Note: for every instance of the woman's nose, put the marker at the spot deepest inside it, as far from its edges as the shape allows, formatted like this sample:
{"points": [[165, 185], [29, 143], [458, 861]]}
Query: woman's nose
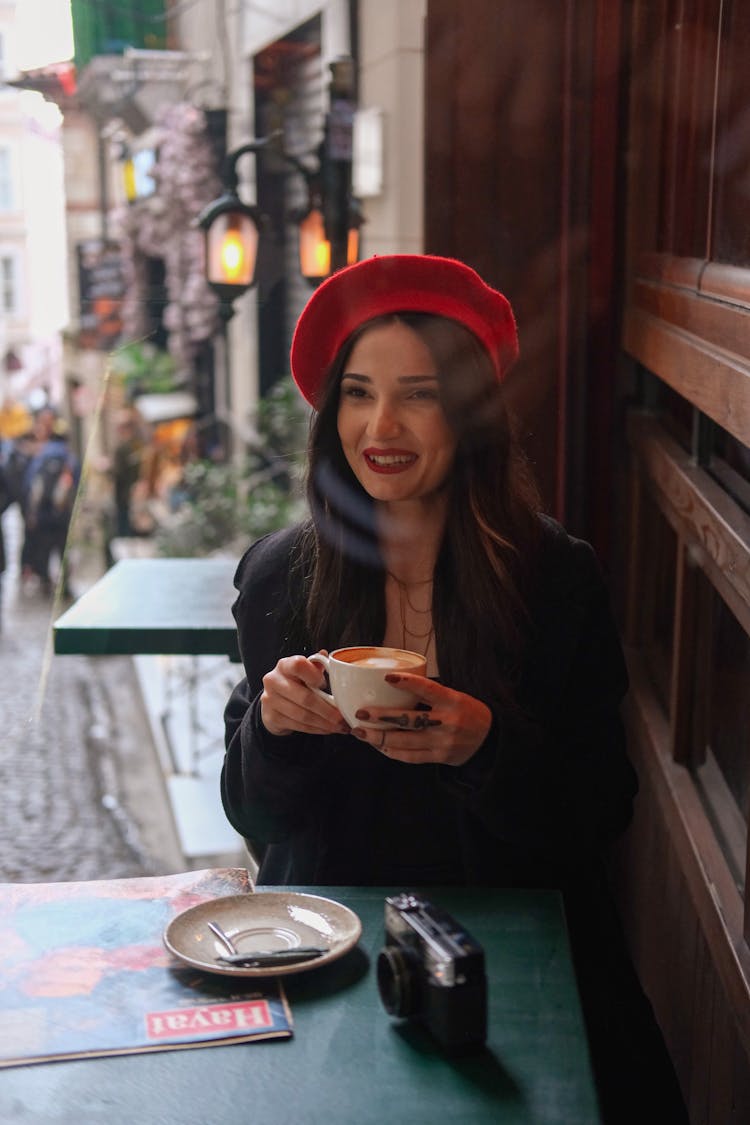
{"points": [[384, 421]]}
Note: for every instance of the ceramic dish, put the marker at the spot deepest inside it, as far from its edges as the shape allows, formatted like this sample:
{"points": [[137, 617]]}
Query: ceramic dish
{"points": [[264, 920]]}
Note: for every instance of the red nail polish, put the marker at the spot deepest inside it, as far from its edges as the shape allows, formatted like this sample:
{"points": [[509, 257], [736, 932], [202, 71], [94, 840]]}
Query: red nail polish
{"points": [[392, 678]]}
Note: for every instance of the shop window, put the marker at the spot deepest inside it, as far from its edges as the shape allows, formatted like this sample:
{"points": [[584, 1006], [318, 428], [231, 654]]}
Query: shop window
{"points": [[156, 301], [9, 295], [7, 195]]}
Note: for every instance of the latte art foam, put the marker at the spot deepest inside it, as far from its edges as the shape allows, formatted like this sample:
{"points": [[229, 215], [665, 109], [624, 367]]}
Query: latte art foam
{"points": [[387, 659]]}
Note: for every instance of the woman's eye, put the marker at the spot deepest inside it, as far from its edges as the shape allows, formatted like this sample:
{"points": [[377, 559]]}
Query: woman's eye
{"points": [[426, 394], [351, 390]]}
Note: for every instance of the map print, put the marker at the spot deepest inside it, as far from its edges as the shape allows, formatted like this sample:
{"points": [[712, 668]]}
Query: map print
{"points": [[83, 972]]}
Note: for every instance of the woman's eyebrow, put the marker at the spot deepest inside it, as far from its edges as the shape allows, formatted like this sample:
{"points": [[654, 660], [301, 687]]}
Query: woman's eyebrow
{"points": [[400, 379]]}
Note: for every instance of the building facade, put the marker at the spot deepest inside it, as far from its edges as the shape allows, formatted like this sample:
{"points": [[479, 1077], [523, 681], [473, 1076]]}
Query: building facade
{"points": [[33, 282]]}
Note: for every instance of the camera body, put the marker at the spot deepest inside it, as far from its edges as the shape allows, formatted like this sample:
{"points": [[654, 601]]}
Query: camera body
{"points": [[432, 969]]}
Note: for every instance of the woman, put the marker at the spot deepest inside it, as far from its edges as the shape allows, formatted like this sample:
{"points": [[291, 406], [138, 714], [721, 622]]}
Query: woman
{"points": [[425, 534]]}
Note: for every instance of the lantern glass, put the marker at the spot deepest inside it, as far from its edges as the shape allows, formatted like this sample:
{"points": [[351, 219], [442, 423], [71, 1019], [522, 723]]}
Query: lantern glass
{"points": [[232, 249], [314, 247], [128, 179], [352, 246]]}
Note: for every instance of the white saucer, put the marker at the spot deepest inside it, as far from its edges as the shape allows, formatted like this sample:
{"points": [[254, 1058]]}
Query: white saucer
{"points": [[263, 920]]}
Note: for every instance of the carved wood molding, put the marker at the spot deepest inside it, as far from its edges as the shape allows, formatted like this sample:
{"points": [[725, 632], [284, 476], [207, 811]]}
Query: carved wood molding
{"points": [[714, 526], [703, 277], [717, 901], [688, 321], [714, 379]]}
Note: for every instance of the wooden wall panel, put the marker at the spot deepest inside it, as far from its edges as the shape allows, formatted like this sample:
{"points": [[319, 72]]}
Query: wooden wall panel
{"points": [[673, 951], [522, 151], [493, 175], [510, 115]]}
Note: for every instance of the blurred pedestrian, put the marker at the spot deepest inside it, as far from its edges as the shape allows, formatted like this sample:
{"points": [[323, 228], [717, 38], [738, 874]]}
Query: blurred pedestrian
{"points": [[126, 470], [191, 451], [5, 501], [16, 453], [49, 491]]}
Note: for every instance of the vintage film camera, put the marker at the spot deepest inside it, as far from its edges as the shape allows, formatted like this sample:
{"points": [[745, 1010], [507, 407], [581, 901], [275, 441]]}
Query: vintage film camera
{"points": [[432, 970]]}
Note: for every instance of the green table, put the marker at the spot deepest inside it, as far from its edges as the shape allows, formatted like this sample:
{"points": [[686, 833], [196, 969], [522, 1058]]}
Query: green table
{"points": [[163, 607], [348, 1062]]}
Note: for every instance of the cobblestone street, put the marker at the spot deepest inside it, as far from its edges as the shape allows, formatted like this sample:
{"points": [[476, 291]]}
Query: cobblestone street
{"points": [[84, 797]]}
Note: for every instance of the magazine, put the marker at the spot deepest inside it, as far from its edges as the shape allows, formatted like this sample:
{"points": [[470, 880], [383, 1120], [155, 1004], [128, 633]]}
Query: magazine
{"points": [[85, 972]]}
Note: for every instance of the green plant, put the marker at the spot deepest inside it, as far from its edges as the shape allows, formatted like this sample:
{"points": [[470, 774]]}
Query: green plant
{"points": [[142, 368], [224, 506]]}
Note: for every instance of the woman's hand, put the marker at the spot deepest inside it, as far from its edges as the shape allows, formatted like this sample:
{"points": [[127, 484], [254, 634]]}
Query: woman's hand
{"points": [[289, 704], [449, 733]]}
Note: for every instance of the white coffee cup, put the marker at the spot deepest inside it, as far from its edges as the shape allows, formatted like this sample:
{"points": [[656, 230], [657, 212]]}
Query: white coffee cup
{"points": [[357, 679]]}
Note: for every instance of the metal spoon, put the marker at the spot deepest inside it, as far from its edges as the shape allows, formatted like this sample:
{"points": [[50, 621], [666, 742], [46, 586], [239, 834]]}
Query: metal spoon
{"points": [[264, 956], [224, 938]]}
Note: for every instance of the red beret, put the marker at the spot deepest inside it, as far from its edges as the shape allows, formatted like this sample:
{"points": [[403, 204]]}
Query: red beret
{"points": [[391, 284]]}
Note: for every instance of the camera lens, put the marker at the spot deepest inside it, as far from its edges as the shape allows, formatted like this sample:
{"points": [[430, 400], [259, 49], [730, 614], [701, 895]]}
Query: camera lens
{"points": [[397, 981]]}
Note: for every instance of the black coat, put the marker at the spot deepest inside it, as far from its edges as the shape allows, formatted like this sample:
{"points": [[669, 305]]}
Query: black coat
{"points": [[534, 806]]}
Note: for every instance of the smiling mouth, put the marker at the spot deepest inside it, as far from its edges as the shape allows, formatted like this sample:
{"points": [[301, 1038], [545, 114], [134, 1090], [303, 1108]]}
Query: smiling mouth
{"points": [[389, 462]]}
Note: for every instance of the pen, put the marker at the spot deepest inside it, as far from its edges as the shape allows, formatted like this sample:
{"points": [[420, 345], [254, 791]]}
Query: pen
{"points": [[273, 956]]}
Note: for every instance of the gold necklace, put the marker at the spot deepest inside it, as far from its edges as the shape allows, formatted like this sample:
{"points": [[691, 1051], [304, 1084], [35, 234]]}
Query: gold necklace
{"points": [[403, 588], [403, 601]]}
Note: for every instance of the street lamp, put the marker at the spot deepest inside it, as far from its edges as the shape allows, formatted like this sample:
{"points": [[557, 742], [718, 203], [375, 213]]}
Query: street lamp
{"points": [[329, 223], [328, 239], [231, 230]]}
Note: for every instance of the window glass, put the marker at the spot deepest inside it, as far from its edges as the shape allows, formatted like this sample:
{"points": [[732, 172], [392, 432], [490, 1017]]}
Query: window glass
{"points": [[731, 230], [675, 414], [8, 284], [729, 708], [721, 724], [687, 126], [730, 466], [6, 180]]}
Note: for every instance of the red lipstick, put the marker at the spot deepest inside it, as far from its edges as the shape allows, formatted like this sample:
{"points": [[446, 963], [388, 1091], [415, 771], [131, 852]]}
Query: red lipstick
{"points": [[389, 460]]}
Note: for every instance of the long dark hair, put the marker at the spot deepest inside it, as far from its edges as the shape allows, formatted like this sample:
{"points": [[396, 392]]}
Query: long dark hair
{"points": [[486, 559]]}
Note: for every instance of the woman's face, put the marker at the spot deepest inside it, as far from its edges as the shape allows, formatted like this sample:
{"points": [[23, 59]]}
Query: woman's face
{"points": [[391, 423]]}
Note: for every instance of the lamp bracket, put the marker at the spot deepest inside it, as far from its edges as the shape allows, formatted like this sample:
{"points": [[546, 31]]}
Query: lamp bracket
{"points": [[229, 168]]}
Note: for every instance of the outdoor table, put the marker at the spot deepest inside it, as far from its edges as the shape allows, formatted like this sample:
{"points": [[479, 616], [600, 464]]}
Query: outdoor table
{"points": [[348, 1061], [160, 607]]}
